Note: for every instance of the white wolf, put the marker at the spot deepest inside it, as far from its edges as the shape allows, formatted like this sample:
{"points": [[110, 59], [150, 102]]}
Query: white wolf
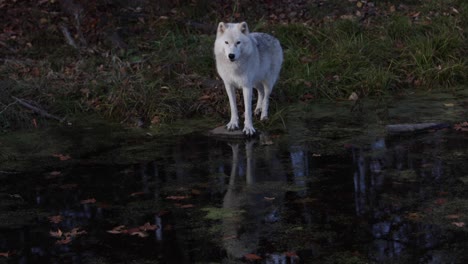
{"points": [[247, 60]]}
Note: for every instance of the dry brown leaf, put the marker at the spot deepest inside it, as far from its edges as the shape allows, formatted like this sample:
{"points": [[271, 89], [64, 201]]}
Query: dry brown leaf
{"points": [[56, 234], [252, 257], [88, 201], [55, 219]]}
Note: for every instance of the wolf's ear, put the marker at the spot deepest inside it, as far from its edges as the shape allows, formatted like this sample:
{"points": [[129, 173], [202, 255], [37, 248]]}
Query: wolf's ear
{"points": [[244, 28], [221, 28]]}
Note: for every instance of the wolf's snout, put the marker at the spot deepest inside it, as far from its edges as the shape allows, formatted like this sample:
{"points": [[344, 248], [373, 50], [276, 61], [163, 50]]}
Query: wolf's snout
{"points": [[231, 56]]}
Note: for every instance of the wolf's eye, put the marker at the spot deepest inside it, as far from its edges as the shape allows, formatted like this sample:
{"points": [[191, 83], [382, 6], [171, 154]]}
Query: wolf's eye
{"points": [[226, 42], [238, 42]]}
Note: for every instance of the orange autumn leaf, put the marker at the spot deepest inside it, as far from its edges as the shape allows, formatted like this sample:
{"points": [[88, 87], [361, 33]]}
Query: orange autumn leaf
{"points": [[252, 257], [291, 254], [458, 224], [186, 206], [5, 254], [177, 198], [139, 233], [63, 241], [88, 201], [75, 232], [56, 234], [137, 194], [62, 157], [55, 219], [118, 230], [148, 226], [452, 216]]}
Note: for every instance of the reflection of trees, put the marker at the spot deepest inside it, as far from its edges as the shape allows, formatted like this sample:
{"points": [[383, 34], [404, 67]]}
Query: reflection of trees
{"points": [[387, 175]]}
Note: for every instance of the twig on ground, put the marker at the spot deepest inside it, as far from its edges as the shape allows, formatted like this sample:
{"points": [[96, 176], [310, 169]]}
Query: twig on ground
{"points": [[37, 109], [6, 107]]}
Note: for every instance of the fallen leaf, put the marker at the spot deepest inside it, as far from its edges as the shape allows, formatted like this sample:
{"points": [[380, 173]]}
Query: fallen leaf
{"points": [[291, 254], [269, 198], [458, 224], [440, 201], [76, 232], [64, 241], [177, 197], [53, 174], [62, 157], [414, 216], [56, 234], [118, 230], [55, 219], [449, 105], [5, 254], [139, 233], [137, 194], [452, 216], [252, 257], [88, 201], [186, 206], [147, 226]]}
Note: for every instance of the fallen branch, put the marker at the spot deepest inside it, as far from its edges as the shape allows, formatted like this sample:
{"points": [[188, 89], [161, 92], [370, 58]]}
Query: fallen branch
{"points": [[37, 109]]}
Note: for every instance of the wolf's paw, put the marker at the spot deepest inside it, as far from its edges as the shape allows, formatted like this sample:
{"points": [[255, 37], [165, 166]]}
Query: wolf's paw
{"points": [[264, 118], [231, 126], [258, 111], [249, 131]]}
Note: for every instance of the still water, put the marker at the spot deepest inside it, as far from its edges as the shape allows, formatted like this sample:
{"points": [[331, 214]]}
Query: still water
{"points": [[198, 199]]}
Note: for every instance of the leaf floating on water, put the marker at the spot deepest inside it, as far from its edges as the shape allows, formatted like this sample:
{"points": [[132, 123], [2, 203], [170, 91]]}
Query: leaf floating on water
{"points": [[452, 216], [5, 254], [62, 157], [118, 230], [139, 234], [56, 234], [252, 257], [458, 224], [177, 198], [147, 226], [291, 254], [137, 194], [55, 219], [186, 206], [88, 201], [64, 241]]}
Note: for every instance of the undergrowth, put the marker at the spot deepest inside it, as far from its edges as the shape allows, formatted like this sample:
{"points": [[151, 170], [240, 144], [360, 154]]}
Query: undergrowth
{"points": [[167, 72]]}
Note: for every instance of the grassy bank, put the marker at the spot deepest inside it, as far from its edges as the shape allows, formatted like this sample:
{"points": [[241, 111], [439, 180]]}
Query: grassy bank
{"points": [[160, 67]]}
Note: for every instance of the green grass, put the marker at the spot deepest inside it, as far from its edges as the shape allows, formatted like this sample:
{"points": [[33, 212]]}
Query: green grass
{"points": [[165, 70]]}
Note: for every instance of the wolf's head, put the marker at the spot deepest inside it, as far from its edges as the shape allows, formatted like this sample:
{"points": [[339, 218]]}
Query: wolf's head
{"points": [[232, 40]]}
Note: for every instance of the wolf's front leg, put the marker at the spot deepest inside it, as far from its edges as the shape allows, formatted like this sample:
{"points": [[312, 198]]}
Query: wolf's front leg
{"points": [[234, 123], [249, 130]]}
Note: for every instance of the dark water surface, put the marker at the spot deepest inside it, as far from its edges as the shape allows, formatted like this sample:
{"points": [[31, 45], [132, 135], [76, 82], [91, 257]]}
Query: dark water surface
{"points": [[327, 186], [393, 200]]}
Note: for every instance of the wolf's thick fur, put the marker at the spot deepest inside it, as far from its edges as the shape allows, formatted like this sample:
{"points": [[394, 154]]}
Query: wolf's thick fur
{"points": [[247, 60]]}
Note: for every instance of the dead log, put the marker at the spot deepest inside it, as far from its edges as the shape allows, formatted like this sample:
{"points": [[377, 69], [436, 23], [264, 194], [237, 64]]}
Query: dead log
{"points": [[414, 128]]}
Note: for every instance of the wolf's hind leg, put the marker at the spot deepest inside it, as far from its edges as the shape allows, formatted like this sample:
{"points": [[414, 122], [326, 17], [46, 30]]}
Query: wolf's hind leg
{"points": [[260, 96], [266, 100]]}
